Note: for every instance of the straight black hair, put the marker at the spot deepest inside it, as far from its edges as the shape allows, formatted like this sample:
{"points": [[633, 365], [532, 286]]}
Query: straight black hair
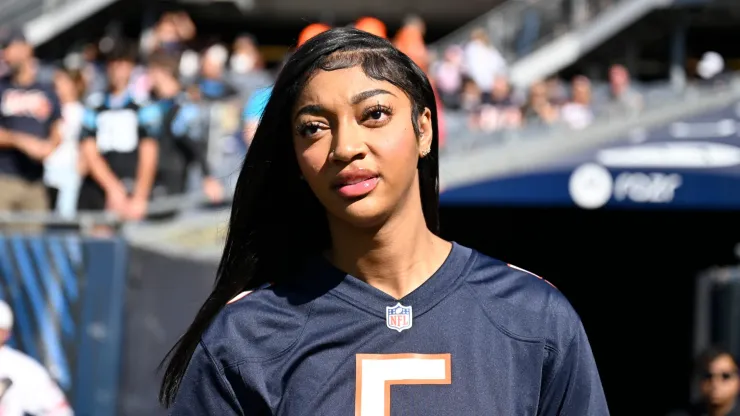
{"points": [[276, 221]]}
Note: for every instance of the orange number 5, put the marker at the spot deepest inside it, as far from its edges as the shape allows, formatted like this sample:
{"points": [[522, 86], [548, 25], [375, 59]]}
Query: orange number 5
{"points": [[376, 373]]}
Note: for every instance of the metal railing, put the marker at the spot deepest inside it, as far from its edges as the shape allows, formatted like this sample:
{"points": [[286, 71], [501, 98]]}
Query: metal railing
{"points": [[517, 151], [654, 97], [518, 27]]}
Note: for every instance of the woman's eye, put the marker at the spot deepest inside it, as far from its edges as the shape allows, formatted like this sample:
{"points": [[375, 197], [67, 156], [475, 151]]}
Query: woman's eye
{"points": [[376, 114], [310, 129]]}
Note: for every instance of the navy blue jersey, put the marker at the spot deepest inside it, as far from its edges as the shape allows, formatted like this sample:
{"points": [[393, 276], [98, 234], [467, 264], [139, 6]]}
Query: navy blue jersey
{"points": [[479, 337], [115, 123], [31, 110]]}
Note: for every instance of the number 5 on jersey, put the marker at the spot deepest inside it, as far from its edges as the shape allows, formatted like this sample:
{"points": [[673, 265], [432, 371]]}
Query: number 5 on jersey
{"points": [[376, 373]]}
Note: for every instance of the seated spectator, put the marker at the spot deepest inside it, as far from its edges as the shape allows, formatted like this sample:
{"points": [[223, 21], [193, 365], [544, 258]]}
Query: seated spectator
{"points": [[539, 110], [498, 110], [623, 99], [578, 113]]}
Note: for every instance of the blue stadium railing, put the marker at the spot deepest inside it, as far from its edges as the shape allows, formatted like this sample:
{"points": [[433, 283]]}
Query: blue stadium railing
{"points": [[67, 291]]}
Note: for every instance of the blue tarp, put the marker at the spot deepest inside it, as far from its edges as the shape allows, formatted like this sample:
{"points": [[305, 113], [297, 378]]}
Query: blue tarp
{"points": [[688, 164]]}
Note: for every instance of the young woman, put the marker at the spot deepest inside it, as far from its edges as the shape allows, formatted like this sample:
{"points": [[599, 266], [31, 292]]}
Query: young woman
{"points": [[334, 285]]}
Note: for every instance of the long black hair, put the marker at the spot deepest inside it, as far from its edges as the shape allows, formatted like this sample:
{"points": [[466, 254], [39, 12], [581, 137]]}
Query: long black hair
{"points": [[275, 218]]}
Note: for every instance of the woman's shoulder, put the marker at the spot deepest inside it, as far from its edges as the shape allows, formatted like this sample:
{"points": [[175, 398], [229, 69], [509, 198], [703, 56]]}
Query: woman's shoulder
{"points": [[520, 302], [257, 325]]}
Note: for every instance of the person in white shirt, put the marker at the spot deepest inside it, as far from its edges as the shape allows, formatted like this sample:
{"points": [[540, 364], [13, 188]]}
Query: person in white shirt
{"points": [[26, 388]]}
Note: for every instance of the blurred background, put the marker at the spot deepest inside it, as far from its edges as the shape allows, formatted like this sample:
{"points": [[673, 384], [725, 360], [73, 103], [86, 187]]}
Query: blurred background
{"points": [[594, 142]]}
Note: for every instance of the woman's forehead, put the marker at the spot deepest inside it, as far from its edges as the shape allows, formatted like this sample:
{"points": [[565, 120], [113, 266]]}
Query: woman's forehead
{"points": [[342, 85]]}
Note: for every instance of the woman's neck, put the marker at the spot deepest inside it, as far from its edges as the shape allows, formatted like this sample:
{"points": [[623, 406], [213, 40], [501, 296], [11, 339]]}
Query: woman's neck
{"points": [[396, 257]]}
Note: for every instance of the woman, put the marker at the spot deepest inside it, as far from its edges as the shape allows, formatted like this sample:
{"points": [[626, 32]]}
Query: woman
{"points": [[334, 230]]}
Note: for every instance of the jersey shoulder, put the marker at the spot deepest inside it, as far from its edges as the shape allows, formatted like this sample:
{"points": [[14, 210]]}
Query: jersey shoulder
{"points": [[258, 325], [522, 304], [31, 369]]}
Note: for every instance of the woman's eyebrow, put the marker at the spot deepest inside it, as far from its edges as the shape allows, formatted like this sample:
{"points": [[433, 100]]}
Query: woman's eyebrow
{"points": [[367, 94], [311, 109]]}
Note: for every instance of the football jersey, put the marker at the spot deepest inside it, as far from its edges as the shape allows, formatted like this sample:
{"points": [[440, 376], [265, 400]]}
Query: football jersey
{"points": [[27, 389], [115, 125], [479, 337]]}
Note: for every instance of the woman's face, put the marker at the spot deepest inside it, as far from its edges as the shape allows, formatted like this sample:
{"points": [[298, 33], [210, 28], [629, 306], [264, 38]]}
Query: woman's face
{"points": [[720, 385], [356, 146]]}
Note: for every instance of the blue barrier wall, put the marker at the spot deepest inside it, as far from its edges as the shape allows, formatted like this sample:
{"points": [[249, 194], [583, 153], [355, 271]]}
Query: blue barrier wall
{"points": [[67, 293]]}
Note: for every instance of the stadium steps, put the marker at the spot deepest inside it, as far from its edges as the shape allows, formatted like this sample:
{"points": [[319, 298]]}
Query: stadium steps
{"points": [[540, 37], [56, 16], [522, 154]]}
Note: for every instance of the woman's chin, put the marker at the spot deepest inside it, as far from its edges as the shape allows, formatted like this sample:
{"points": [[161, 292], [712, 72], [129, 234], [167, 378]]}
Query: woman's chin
{"points": [[364, 213]]}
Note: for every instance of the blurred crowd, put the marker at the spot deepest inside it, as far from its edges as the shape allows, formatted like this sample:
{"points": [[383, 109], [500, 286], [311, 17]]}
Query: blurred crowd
{"points": [[120, 121]]}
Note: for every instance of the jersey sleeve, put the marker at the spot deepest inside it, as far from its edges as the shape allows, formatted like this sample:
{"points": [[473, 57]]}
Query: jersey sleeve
{"points": [[47, 398], [204, 390], [149, 118], [573, 385], [190, 127], [89, 129]]}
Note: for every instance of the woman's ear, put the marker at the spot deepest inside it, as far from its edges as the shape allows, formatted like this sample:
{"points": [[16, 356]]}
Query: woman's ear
{"points": [[426, 132]]}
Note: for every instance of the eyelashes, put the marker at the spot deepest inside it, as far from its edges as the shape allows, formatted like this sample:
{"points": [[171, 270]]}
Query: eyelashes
{"points": [[377, 115]]}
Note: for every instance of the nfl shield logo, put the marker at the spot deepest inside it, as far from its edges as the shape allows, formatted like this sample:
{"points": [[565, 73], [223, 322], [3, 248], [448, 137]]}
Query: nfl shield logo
{"points": [[398, 317]]}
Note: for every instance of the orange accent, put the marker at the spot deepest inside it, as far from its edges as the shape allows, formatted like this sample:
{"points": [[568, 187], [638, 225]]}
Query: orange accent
{"points": [[373, 26], [528, 272], [389, 383], [239, 296], [310, 31]]}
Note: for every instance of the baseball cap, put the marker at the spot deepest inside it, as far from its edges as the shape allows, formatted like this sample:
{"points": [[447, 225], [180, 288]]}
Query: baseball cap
{"points": [[6, 316], [10, 34]]}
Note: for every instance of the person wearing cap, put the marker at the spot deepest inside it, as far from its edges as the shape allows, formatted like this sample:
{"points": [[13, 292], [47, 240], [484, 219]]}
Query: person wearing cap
{"points": [[30, 129], [121, 157], [26, 388]]}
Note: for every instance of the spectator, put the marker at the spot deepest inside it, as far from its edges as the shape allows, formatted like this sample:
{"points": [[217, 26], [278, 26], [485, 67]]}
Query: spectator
{"points": [[246, 67], [121, 157], [63, 167], [30, 121], [623, 100], [213, 83], [482, 62], [181, 131], [372, 25], [448, 76], [170, 34], [717, 370], [539, 110], [25, 386], [258, 101], [410, 40], [578, 113], [499, 110]]}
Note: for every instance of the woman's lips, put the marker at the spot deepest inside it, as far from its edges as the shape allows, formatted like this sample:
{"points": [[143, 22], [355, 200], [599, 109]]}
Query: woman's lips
{"points": [[357, 187]]}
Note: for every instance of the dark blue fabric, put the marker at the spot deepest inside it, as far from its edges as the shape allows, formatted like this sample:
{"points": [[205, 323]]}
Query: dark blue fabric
{"points": [[26, 109], [516, 347]]}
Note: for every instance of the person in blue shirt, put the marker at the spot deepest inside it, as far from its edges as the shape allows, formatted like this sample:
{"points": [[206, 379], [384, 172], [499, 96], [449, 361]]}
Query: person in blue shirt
{"points": [[253, 112], [336, 295], [181, 129]]}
